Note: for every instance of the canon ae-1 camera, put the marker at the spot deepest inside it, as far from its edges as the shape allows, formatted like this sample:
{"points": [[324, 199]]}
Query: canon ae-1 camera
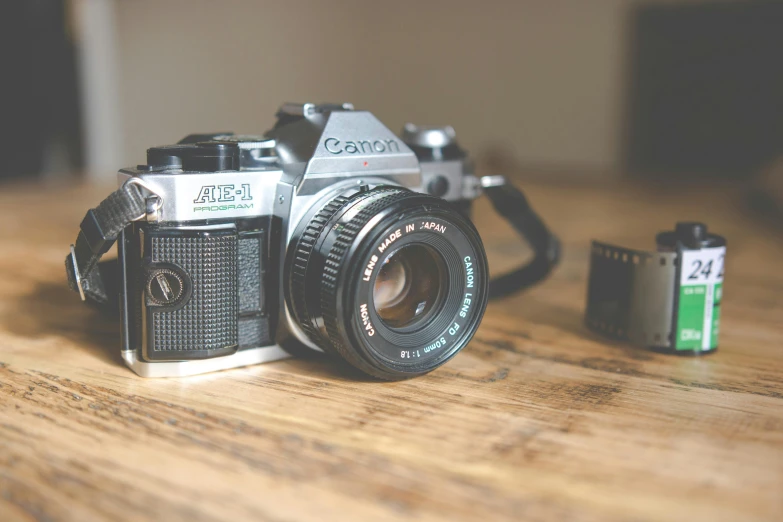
{"points": [[328, 232]]}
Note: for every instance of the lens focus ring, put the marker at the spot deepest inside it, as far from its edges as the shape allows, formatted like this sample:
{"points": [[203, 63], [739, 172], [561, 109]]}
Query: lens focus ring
{"points": [[330, 261], [304, 250]]}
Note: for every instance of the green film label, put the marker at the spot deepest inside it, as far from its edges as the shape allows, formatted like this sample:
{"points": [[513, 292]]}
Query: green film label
{"points": [[701, 289], [716, 313]]}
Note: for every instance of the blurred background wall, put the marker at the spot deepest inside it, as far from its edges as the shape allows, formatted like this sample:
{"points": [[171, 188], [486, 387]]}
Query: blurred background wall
{"points": [[541, 80], [565, 89]]}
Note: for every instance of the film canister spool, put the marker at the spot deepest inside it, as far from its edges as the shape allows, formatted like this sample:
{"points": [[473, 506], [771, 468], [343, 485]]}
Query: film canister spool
{"points": [[668, 300]]}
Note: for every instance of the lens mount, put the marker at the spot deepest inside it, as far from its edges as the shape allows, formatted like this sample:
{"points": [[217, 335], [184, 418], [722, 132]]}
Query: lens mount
{"points": [[393, 281]]}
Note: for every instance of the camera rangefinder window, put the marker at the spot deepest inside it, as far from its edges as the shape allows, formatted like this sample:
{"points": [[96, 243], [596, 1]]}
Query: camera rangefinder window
{"points": [[409, 285]]}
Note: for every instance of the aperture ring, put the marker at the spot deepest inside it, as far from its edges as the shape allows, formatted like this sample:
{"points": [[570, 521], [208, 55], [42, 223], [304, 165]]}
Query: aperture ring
{"points": [[301, 260]]}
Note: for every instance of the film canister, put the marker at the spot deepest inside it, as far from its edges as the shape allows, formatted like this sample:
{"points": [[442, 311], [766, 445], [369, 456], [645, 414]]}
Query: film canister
{"points": [[667, 300]]}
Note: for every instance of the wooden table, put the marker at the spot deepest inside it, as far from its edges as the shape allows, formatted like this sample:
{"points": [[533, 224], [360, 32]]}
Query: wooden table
{"points": [[538, 418]]}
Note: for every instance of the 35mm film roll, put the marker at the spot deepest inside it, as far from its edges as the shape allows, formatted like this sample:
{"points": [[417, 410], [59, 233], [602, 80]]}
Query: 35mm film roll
{"points": [[667, 300]]}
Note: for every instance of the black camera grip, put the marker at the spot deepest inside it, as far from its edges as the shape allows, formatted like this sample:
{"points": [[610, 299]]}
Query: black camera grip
{"points": [[201, 319]]}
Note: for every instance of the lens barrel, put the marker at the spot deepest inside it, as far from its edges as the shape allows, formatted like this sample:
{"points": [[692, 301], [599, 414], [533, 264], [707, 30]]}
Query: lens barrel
{"points": [[393, 281]]}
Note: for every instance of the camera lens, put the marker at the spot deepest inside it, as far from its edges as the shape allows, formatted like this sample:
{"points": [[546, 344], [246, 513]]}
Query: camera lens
{"points": [[408, 285], [393, 281]]}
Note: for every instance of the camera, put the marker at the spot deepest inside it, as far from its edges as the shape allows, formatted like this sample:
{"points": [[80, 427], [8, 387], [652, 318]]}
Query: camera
{"points": [[328, 232]]}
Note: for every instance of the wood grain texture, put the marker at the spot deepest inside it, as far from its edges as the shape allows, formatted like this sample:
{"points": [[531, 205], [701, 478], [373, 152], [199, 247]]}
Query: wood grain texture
{"points": [[536, 419]]}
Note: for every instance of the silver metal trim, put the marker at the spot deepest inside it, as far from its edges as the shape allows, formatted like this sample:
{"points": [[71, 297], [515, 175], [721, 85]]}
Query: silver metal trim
{"points": [[493, 181], [471, 187], [430, 137], [453, 171], [187, 368], [248, 142], [180, 189], [154, 204], [217, 226], [76, 274], [307, 109]]}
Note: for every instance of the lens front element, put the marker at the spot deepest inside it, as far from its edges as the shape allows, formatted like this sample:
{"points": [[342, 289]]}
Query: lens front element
{"points": [[408, 285]]}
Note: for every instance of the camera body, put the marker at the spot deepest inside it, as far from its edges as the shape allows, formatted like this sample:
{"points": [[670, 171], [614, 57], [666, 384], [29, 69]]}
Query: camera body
{"points": [[254, 247]]}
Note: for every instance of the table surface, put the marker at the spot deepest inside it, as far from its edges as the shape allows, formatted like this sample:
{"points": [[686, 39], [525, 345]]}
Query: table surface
{"points": [[538, 418]]}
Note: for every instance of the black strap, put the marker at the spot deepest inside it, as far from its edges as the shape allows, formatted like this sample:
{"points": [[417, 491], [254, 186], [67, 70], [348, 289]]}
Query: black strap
{"points": [[99, 230], [512, 204], [101, 226]]}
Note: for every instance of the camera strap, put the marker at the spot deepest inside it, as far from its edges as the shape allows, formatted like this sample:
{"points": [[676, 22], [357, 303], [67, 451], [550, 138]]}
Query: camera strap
{"points": [[99, 230], [97, 282], [512, 205]]}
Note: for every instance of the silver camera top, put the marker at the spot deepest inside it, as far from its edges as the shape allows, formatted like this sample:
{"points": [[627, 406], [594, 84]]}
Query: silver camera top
{"points": [[318, 145], [310, 149]]}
